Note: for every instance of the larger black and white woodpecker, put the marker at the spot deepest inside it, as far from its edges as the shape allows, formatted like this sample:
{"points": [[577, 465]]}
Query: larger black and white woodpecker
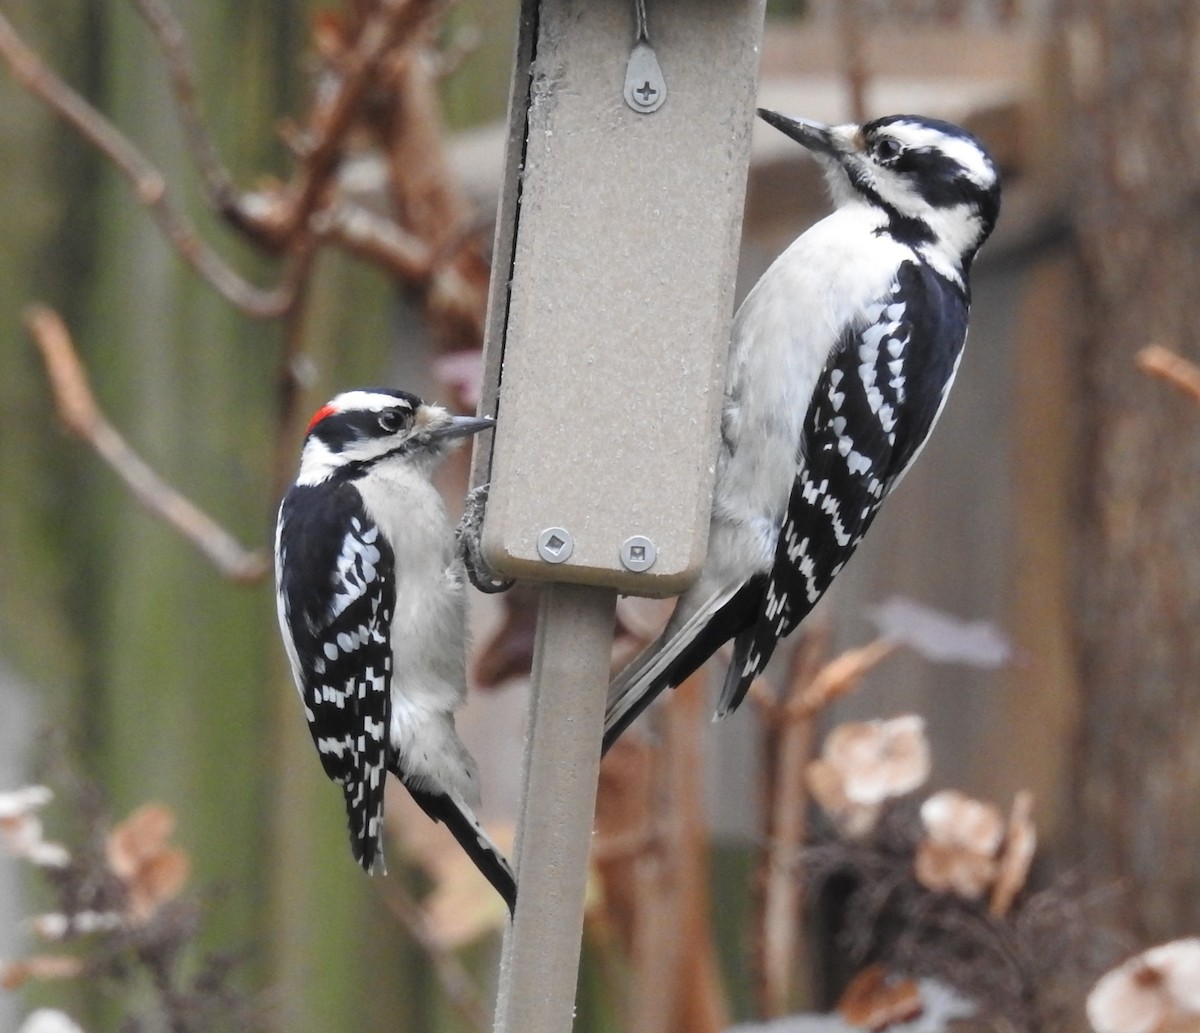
{"points": [[840, 361], [371, 603]]}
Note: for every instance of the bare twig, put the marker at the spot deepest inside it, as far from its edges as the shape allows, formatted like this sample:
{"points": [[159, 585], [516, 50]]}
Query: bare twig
{"points": [[148, 182], [651, 853], [1175, 369], [78, 410], [169, 33], [460, 990], [839, 677], [389, 22], [814, 682], [699, 1005], [375, 238], [787, 749]]}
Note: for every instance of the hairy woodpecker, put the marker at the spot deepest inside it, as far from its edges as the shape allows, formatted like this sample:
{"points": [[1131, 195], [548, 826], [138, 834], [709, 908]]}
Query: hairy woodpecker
{"points": [[369, 587], [840, 361]]}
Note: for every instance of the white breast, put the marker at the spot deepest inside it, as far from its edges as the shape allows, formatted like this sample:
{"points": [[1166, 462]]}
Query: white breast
{"points": [[782, 336], [429, 619]]}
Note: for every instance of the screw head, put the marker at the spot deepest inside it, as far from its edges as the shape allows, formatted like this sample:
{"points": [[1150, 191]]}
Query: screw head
{"points": [[638, 553], [555, 544], [645, 89]]}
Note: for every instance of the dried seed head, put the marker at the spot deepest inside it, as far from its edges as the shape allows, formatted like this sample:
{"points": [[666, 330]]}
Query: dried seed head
{"points": [[862, 764], [964, 837], [21, 829], [879, 759], [952, 818], [140, 855], [945, 868], [1157, 991]]}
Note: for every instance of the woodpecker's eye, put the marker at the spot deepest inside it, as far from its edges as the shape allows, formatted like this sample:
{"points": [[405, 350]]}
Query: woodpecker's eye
{"points": [[391, 420], [887, 149]]}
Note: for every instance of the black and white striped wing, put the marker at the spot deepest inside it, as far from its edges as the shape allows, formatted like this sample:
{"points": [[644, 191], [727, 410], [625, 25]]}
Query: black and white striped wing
{"points": [[340, 646], [874, 406]]}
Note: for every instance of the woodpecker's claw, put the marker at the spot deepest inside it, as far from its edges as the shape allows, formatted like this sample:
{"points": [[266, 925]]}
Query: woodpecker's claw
{"points": [[468, 533]]}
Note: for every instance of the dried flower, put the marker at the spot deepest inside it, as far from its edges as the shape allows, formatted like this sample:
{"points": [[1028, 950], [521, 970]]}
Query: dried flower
{"points": [[462, 371], [140, 856], [948, 869], [968, 849], [21, 828], [940, 637], [1158, 991], [49, 1020], [862, 764], [964, 836], [953, 818]]}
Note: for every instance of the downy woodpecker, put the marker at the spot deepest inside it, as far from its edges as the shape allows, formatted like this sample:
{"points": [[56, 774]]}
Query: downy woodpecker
{"points": [[370, 593], [840, 361]]}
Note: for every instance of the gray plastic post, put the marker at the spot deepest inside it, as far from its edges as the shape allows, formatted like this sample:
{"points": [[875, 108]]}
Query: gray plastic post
{"points": [[607, 333], [539, 966]]}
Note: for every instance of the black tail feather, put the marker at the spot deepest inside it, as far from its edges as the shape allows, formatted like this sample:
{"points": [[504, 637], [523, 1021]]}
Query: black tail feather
{"points": [[727, 622], [738, 677], [465, 828], [732, 618]]}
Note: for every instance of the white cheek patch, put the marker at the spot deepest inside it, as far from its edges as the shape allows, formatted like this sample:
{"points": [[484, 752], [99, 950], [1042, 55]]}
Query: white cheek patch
{"points": [[317, 462], [958, 227]]}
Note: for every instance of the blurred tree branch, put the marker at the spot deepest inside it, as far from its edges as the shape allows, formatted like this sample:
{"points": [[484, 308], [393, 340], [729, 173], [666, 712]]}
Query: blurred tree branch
{"points": [[80, 414], [789, 731], [651, 854], [149, 184], [368, 52], [1174, 369], [452, 976], [170, 36], [374, 107], [372, 51]]}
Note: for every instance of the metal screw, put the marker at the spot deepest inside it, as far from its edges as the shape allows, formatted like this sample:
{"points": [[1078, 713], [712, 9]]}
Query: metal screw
{"points": [[645, 89], [638, 553], [555, 544]]}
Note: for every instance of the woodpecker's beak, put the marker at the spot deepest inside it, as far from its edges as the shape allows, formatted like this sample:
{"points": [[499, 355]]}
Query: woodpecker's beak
{"points": [[461, 427], [816, 136]]}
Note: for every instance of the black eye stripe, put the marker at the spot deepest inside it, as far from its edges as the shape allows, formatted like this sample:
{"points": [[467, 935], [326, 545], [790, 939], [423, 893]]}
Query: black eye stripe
{"points": [[341, 430]]}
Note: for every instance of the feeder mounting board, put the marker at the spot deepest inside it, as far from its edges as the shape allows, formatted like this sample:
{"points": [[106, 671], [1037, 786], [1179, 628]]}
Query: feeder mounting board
{"points": [[612, 287]]}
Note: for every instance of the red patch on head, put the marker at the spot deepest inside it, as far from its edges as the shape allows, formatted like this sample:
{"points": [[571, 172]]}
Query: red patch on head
{"points": [[319, 415]]}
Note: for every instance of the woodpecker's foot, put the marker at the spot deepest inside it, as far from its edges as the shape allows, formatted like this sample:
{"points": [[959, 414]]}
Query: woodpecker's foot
{"points": [[469, 529]]}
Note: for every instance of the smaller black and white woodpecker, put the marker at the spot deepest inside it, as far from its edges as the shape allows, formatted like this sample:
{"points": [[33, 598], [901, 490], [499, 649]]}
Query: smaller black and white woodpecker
{"points": [[371, 601], [840, 361]]}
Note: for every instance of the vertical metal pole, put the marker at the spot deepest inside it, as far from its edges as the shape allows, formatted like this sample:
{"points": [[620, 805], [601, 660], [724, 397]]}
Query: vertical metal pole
{"points": [[540, 962]]}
